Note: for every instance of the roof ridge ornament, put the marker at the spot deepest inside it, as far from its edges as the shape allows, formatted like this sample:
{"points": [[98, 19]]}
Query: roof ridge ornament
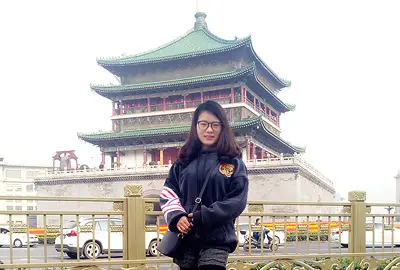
{"points": [[200, 21]]}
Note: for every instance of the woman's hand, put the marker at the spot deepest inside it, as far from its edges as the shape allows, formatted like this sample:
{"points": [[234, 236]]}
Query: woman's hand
{"points": [[184, 225]]}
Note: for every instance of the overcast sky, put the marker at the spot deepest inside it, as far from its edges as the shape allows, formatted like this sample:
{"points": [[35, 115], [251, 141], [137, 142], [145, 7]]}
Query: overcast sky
{"points": [[341, 56]]}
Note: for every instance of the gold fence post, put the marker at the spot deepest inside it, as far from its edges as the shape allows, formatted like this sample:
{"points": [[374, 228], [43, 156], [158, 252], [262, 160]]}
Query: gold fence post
{"points": [[357, 228], [134, 223]]}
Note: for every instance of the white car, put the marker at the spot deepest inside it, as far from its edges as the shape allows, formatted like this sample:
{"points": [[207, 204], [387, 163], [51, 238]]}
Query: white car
{"points": [[100, 246], [244, 231], [369, 235], [18, 239]]}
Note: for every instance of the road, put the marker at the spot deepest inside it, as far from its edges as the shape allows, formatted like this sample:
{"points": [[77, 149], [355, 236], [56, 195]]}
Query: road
{"points": [[20, 255]]}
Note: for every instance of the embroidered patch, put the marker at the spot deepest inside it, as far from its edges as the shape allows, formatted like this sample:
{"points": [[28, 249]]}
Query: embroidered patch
{"points": [[226, 169]]}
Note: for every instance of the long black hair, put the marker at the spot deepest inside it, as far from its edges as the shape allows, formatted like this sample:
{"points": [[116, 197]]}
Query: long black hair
{"points": [[226, 146]]}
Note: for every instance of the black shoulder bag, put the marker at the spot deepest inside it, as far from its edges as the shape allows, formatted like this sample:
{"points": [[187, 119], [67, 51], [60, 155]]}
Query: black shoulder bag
{"points": [[169, 245]]}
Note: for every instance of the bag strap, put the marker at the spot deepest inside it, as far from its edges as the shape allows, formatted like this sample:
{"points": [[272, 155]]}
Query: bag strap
{"points": [[203, 188]]}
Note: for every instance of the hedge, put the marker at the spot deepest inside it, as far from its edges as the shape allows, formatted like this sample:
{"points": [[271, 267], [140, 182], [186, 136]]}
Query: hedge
{"points": [[345, 263], [51, 238]]}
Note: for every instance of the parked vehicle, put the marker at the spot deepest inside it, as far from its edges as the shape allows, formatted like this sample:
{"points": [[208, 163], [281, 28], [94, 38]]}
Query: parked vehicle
{"points": [[18, 239], [372, 237], [93, 249], [244, 231]]}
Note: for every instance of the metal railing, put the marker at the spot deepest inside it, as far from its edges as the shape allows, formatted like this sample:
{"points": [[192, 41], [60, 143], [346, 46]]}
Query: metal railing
{"points": [[304, 234], [103, 172], [272, 118]]}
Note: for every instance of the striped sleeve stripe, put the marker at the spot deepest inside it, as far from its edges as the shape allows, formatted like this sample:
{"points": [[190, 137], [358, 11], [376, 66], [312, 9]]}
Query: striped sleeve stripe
{"points": [[172, 208], [169, 193], [171, 202]]}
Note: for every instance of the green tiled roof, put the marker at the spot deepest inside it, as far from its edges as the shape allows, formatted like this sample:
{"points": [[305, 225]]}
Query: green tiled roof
{"points": [[99, 137], [103, 136], [194, 43], [235, 75], [170, 130], [103, 89], [292, 107], [198, 41]]}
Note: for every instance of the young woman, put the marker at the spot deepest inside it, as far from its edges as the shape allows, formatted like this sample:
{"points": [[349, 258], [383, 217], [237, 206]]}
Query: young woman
{"points": [[210, 151]]}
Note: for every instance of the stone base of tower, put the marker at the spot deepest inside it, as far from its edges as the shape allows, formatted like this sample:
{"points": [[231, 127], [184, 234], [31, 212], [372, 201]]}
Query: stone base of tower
{"points": [[277, 184]]}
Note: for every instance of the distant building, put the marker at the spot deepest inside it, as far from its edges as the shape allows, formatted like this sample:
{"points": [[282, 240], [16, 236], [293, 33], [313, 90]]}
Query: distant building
{"points": [[18, 180]]}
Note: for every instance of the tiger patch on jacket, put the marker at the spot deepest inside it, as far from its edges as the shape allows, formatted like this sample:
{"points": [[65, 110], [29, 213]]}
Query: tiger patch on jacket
{"points": [[226, 169]]}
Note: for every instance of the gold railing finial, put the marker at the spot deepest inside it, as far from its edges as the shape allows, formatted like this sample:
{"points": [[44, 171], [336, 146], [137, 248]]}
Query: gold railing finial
{"points": [[357, 196], [133, 190]]}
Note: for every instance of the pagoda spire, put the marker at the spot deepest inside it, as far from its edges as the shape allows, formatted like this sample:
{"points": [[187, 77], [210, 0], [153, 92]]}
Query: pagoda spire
{"points": [[200, 17], [200, 21]]}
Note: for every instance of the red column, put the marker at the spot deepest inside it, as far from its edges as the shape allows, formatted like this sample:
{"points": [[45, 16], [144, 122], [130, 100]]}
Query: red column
{"points": [[232, 95], [245, 94], [184, 101], [164, 104], [253, 148], [148, 104], [103, 158], [201, 97]]}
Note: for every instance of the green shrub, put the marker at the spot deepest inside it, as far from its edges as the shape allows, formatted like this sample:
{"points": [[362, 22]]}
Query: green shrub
{"points": [[302, 236], [343, 261], [50, 239]]}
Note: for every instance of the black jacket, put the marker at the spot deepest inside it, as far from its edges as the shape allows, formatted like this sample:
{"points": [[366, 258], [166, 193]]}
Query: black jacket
{"points": [[224, 199]]}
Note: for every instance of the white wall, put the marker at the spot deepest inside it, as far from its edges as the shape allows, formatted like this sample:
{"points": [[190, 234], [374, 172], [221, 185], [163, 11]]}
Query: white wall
{"points": [[133, 158], [129, 160]]}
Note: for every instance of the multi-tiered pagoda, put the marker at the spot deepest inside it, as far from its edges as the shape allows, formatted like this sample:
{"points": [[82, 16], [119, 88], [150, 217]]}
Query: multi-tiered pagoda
{"points": [[152, 110], [159, 90]]}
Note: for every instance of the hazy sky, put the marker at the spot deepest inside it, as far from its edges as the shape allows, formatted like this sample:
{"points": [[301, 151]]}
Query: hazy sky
{"points": [[341, 56]]}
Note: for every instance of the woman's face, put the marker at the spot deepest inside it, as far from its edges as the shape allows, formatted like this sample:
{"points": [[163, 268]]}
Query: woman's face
{"points": [[208, 129]]}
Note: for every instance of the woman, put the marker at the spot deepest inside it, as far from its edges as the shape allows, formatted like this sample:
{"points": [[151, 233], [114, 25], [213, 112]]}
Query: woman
{"points": [[210, 151]]}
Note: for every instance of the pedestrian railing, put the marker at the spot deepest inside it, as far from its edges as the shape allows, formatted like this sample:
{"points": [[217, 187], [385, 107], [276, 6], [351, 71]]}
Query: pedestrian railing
{"points": [[304, 235]]}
